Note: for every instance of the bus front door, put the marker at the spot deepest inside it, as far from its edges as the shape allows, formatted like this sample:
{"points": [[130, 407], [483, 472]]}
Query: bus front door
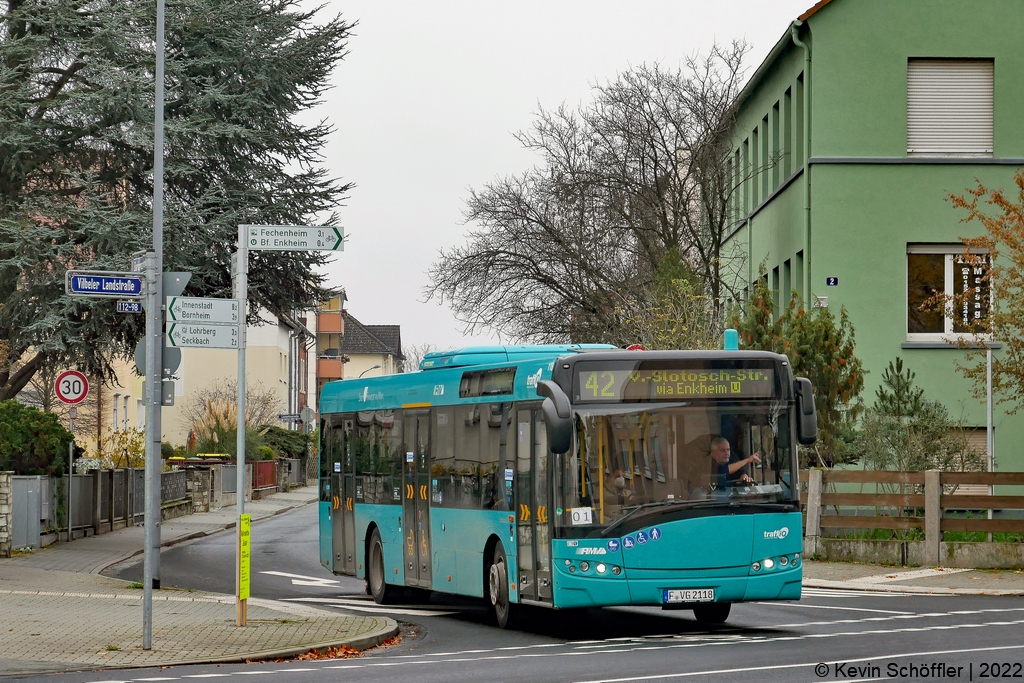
{"points": [[415, 500], [532, 514]]}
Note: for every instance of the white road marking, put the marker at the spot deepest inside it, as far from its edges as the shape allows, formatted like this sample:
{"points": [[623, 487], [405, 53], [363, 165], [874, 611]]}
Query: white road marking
{"points": [[691, 674], [363, 606], [829, 607], [300, 580]]}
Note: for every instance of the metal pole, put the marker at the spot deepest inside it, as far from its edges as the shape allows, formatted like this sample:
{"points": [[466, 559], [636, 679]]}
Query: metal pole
{"points": [[241, 293], [71, 474], [154, 349], [989, 446]]}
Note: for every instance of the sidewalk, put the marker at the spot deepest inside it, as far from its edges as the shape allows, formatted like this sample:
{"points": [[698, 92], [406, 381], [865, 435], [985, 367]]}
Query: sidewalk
{"points": [[60, 615], [934, 580]]}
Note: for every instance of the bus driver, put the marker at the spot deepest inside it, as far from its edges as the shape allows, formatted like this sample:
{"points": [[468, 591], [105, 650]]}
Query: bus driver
{"points": [[725, 469]]}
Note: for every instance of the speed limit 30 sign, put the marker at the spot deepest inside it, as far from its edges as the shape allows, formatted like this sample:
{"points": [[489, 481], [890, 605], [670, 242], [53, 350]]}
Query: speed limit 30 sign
{"points": [[71, 387]]}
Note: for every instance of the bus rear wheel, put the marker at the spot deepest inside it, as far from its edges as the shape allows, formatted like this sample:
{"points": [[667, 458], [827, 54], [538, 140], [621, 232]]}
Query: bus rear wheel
{"points": [[382, 593], [497, 584], [714, 613]]}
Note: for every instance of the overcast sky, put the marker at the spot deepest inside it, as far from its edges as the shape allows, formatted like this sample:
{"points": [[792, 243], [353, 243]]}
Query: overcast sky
{"points": [[427, 100]]}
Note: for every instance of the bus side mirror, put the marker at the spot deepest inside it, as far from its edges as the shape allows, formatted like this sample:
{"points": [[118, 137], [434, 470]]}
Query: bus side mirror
{"points": [[806, 418], [557, 416]]}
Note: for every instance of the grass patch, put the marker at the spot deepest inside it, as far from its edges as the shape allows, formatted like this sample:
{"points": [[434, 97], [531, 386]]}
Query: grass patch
{"points": [[112, 648]]}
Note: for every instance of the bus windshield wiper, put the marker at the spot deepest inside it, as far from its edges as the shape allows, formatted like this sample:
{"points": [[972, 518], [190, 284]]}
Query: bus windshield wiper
{"points": [[691, 505]]}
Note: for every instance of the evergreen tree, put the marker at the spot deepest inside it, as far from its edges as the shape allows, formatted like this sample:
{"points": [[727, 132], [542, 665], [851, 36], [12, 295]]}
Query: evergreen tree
{"points": [[896, 395], [819, 348], [76, 132], [904, 431]]}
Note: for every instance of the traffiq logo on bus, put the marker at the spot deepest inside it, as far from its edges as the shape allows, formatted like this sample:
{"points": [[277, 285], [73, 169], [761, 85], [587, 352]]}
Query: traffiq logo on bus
{"points": [[778, 533]]}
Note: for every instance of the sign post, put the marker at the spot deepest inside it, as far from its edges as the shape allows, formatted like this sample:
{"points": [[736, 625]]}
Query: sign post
{"points": [[154, 267], [244, 553], [273, 238], [71, 387]]}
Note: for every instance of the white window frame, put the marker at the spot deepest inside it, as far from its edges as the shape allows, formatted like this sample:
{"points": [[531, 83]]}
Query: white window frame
{"points": [[951, 252], [124, 417], [116, 420]]}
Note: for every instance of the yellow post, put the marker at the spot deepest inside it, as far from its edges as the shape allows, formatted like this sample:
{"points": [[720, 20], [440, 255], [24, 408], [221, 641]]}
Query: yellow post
{"points": [[244, 547]]}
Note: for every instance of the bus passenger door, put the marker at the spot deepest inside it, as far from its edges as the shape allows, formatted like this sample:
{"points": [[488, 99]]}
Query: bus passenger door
{"points": [[532, 513], [348, 514], [340, 466], [415, 501]]}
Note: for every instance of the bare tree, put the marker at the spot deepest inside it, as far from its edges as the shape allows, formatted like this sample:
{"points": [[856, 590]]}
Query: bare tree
{"points": [[414, 356], [643, 173]]}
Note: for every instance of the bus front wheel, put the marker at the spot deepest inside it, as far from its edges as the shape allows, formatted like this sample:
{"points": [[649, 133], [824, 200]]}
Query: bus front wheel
{"points": [[497, 584], [713, 613], [382, 593]]}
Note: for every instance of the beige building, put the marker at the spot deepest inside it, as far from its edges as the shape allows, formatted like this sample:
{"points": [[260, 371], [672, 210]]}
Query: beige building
{"points": [[277, 355]]}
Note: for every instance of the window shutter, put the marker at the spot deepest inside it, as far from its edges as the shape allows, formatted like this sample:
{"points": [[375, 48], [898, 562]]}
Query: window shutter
{"points": [[949, 107]]}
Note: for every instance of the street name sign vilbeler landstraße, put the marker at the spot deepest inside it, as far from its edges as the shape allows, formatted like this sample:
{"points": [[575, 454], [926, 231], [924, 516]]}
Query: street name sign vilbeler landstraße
{"points": [[199, 310], [202, 336], [102, 283], [295, 238]]}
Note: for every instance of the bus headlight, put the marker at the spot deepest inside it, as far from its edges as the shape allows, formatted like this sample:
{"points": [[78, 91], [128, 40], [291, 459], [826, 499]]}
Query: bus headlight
{"points": [[756, 566], [601, 568], [616, 570], [783, 561], [584, 566], [769, 563]]}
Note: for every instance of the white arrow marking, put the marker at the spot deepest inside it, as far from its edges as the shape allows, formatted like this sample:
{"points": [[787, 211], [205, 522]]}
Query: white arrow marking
{"points": [[300, 580]]}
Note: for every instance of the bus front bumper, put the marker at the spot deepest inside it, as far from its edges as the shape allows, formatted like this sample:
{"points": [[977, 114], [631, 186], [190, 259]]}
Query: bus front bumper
{"points": [[646, 587]]}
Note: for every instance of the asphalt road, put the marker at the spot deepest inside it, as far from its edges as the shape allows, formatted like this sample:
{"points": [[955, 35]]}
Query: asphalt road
{"points": [[828, 635]]}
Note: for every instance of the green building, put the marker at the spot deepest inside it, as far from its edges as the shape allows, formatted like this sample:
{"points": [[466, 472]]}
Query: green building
{"points": [[863, 116]]}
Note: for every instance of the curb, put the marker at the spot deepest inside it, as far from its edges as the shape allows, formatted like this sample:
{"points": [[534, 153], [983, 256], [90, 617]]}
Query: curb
{"points": [[896, 588]]}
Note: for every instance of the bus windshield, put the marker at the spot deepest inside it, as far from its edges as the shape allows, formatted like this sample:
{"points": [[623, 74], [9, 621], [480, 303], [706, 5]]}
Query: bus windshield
{"points": [[625, 461]]}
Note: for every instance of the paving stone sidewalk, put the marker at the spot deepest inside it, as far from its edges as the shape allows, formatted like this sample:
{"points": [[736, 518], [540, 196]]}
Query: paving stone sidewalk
{"points": [[58, 614]]}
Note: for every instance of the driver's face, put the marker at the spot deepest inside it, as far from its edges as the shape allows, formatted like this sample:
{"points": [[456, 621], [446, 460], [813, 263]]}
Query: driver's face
{"points": [[721, 453]]}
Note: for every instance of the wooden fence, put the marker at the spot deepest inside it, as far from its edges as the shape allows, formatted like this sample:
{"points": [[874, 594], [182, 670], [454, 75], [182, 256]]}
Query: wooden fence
{"points": [[933, 502]]}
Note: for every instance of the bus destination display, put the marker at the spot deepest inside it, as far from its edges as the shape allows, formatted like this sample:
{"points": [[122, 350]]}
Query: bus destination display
{"points": [[673, 384]]}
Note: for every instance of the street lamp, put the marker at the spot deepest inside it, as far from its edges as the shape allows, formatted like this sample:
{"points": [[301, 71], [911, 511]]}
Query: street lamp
{"points": [[368, 369]]}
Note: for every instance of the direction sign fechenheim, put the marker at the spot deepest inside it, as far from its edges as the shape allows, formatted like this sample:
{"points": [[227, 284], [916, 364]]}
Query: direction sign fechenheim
{"points": [[202, 336], [101, 283], [191, 309], [295, 238]]}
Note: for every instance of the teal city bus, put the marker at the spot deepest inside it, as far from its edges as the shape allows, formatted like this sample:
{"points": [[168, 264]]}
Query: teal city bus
{"points": [[569, 476]]}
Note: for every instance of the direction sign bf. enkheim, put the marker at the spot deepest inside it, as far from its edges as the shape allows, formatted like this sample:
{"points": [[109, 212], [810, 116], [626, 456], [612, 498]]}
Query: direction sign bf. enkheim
{"points": [[295, 238]]}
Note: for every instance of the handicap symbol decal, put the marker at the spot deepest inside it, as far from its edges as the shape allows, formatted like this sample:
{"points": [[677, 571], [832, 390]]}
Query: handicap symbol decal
{"points": [[613, 546], [627, 542], [641, 537]]}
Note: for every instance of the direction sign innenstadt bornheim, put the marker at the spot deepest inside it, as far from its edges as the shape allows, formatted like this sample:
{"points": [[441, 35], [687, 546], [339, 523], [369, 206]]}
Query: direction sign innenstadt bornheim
{"points": [[101, 283], [295, 238], [202, 336], [191, 309]]}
